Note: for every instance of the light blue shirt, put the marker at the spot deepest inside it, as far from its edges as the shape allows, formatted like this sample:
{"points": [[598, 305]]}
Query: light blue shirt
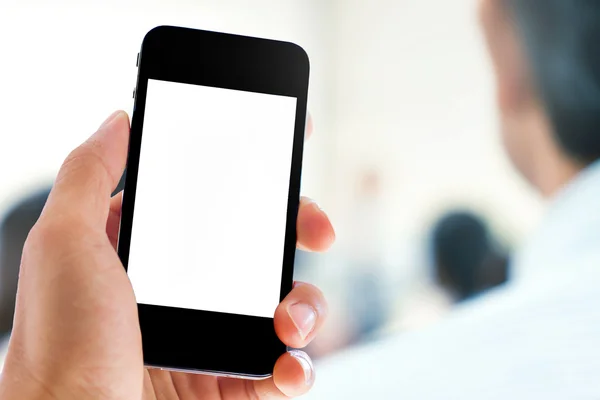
{"points": [[537, 338]]}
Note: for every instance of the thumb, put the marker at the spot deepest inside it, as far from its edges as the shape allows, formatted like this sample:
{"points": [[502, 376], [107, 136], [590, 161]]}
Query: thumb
{"points": [[90, 173]]}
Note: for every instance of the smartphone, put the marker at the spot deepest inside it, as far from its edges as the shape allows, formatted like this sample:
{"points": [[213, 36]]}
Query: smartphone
{"points": [[211, 196]]}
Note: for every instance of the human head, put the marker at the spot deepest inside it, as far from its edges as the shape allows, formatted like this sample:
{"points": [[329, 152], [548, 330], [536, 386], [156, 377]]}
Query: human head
{"points": [[461, 244], [14, 228], [547, 66]]}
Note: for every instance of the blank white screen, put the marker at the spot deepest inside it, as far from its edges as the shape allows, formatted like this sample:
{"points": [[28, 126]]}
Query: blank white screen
{"points": [[214, 175]]}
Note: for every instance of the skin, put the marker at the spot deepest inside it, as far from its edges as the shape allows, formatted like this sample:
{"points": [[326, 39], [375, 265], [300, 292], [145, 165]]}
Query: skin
{"points": [[526, 130], [76, 333]]}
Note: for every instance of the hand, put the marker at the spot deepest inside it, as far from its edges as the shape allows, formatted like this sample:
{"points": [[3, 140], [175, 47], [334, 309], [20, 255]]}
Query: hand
{"points": [[76, 333]]}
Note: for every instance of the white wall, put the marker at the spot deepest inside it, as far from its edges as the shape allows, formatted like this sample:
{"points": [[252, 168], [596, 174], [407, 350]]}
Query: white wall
{"points": [[414, 97]]}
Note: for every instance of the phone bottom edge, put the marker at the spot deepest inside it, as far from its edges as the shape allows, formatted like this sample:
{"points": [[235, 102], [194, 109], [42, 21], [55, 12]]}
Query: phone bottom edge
{"points": [[211, 373]]}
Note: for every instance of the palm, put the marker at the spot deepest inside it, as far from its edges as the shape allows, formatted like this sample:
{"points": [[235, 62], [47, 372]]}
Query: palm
{"points": [[165, 385]]}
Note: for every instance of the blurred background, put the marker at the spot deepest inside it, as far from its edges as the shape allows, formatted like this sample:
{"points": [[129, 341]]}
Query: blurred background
{"points": [[405, 157]]}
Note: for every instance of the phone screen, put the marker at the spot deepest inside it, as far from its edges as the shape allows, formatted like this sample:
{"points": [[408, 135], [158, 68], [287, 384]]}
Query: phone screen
{"points": [[209, 223]]}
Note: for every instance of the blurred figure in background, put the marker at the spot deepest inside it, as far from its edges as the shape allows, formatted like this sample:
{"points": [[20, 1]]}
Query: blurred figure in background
{"points": [[465, 262], [466, 259], [539, 336], [367, 300], [305, 264], [14, 229]]}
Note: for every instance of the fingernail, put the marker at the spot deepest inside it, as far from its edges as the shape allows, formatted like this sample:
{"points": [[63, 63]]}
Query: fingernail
{"points": [[113, 117], [304, 317], [307, 366]]}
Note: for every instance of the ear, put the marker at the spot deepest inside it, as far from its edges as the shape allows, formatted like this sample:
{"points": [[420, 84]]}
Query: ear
{"points": [[507, 55]]}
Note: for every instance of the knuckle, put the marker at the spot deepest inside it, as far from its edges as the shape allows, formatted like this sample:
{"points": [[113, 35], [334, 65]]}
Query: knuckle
{"points": [[50, 236], [85, 158], [36, 235], [43, 235], [74, 162]]}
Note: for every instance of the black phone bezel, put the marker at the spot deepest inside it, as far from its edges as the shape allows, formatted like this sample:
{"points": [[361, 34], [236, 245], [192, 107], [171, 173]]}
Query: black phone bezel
{"points": [[195, 340]]}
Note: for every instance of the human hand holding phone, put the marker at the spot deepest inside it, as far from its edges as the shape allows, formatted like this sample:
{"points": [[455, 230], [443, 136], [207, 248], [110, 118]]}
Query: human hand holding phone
{"points": [[76, 333]]}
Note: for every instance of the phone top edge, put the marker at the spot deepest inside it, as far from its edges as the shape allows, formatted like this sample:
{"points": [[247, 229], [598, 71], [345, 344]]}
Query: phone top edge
{"points": [[158, 28]]}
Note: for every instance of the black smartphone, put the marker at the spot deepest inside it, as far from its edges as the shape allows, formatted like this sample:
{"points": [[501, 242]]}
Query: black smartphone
{"points": [[211, 196]]}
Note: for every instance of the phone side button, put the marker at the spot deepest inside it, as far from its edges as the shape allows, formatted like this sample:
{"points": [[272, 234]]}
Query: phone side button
{"points": [[137, 61], [134, 93]]}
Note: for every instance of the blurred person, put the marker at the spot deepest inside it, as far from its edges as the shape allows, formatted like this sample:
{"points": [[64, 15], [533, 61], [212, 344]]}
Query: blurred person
{"points": [[76, 332], [537, 337], [361, 310], [460, 245], [496, 271], [303, 263], [306, 268], [465, 261], [465, 257], [14, 229], [367, 301]]}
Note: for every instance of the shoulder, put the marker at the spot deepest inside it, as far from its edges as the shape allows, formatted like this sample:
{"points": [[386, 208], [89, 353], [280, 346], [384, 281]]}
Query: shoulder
{"points": [[499, 346]]}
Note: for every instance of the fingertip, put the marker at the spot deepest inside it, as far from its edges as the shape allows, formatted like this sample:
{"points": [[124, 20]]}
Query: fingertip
{"points": [[309, 126], [300, 316], [314, 229], [115, 116], [294, 373]]}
